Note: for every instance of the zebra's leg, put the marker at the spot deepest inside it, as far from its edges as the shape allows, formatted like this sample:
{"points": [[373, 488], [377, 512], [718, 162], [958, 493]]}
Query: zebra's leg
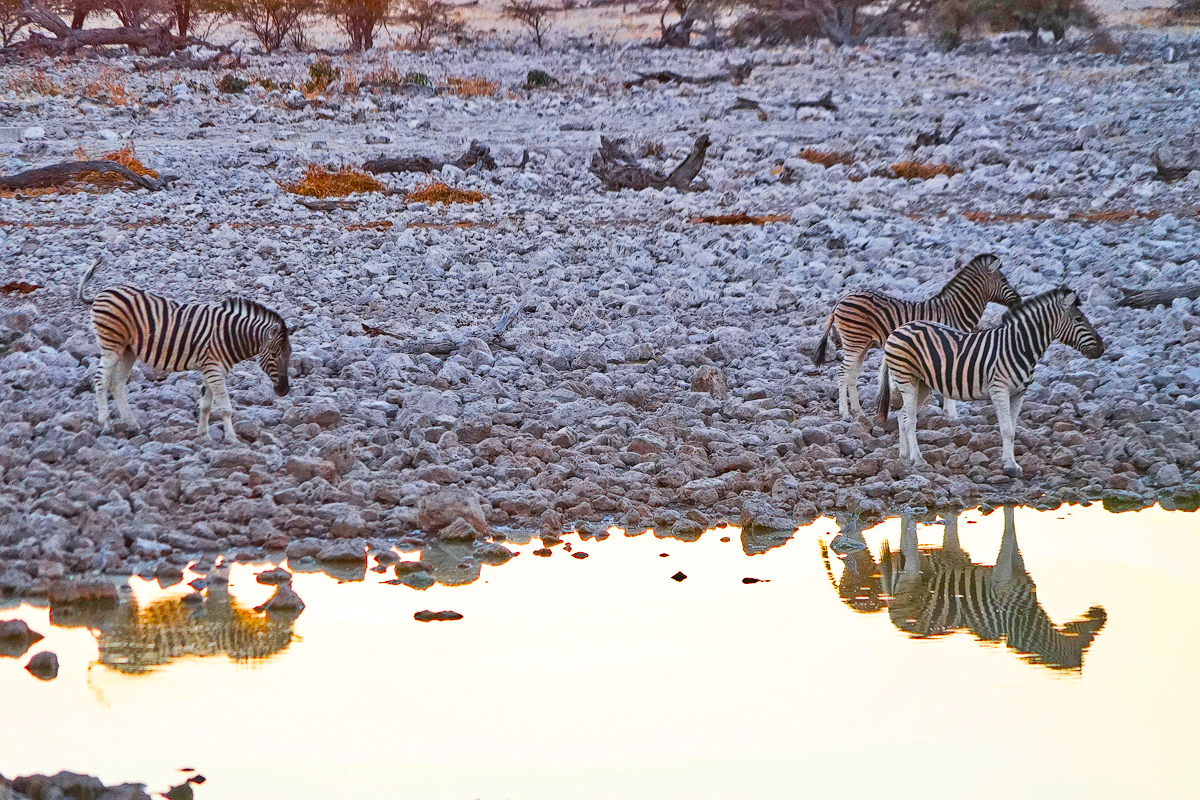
{"points": [[215, 377], [1009, 563], [1003, 402], [102, 381], [844, 387], [206, 401], [120, 379], [853, 367], [908, 546], [951, 409], [1017, 400], [908, 421], [950, 543]]}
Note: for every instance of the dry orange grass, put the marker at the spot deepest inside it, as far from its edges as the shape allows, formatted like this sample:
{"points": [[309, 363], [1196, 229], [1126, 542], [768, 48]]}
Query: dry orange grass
{"points": [[438, 192], [915, 169], [109, 87], [321, 182], [34, 82], [472, 87], [827, 159], [741, 219], [1123, 215]]}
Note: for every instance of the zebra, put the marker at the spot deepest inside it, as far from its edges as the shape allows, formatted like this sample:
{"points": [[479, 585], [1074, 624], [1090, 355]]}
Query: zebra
{"points": [[132, 324], [996, 363], [931, 593], [863, 320]]}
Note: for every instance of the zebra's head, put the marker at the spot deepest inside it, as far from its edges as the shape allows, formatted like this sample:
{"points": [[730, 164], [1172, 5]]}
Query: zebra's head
{"points": [[275, 357], [996, 287], [1074, 329]]}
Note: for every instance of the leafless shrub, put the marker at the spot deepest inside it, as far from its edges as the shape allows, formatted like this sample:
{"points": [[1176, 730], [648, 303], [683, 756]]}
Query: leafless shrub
{"points": [[270, 21], [11, 20], [533, 15], [842, 22], [359, 19], [429, 20]]}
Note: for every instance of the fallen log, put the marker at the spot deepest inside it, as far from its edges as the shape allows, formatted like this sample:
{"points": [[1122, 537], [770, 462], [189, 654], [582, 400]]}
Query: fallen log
{"points": [[618, 170], [156, 40], [59, 174], [1149, 298], [737, 74], [748, 104], [476, 154]]}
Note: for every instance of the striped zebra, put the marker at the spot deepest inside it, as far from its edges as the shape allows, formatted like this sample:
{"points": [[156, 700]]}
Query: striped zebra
{"points": [[936, 592], [864, 320], [132, 325], [996, 363]]}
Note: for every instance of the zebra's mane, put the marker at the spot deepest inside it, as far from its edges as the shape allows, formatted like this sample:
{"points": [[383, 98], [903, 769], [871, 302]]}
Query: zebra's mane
{"points": [[244, 305], [1032, 304], [978, 265]]}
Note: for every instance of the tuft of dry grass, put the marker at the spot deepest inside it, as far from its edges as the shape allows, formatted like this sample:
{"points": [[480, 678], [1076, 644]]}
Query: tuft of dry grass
{"points": [[321, 182], [827, 159], [381, 225], [474, 86], [915, 169], [1121, 215], [740, 219], [18, 287], [438, 192], [109, 87], [34, 82]]}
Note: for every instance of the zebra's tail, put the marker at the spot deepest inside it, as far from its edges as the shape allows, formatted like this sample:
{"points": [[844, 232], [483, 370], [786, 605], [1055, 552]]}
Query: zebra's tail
{"points": [[885, 393], [87, 276], [819, 358]]}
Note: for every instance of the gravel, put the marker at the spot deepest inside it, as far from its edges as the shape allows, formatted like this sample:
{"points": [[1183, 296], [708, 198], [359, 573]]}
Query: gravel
{"points": [[655, 365]]}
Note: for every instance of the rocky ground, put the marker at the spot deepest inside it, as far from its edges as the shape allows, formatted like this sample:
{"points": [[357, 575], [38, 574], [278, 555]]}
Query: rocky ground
{"points": [[658, 371]]}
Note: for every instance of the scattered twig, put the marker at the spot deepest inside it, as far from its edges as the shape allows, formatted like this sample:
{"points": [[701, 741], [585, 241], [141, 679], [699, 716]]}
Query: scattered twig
{"points": [[936, 138], [737, 74], [330, 205], [749, 104]]}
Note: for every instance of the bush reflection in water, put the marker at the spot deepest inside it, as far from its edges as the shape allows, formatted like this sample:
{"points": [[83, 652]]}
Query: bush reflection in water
{"points": [[932, 592]]}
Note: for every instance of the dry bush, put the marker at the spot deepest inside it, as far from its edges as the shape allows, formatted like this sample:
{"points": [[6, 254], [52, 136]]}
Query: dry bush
{"points": [[741, 219], [36, 82], [1036, 15], [321, 73], [827, 158], [270, 21], [474, 86], [438, 192], [915, 169], [534, 16], [318, 181], [109, 87], [359, 19], [429, 20]]}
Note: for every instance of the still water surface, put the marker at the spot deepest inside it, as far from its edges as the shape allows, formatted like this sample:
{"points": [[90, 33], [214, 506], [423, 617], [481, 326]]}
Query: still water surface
{"points": [[604, 678]]}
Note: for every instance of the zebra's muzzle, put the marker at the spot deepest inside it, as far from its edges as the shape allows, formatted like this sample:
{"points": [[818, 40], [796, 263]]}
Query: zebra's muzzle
{"points": [[281, 386]]}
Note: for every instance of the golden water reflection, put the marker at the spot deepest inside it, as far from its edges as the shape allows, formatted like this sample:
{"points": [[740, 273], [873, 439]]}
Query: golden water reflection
{"points": [[602, 677]]}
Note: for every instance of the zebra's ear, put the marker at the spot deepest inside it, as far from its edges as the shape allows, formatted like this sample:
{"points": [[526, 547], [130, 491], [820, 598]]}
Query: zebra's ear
{"points": [[1070, 299]]}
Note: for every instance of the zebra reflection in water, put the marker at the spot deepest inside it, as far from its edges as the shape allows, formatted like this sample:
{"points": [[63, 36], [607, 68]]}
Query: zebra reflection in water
{"points": [[134, 639], [937, 591]]}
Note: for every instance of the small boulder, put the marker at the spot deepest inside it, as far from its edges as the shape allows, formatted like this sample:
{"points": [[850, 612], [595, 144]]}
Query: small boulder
{"points": [[442, 508], [284, 599], [274, 577], [43, 666], [710, 380], [16, 637], [437, 616]]}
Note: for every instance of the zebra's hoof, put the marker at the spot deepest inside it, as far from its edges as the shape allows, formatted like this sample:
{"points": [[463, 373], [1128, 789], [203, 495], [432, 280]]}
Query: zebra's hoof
{"points": [[1013, 471]]}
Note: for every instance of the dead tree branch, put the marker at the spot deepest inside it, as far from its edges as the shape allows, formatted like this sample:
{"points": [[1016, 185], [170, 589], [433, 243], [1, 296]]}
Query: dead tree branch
{"points": [[59, 174], [1149, 298], [747, 104], [618, 170], [476, 154]]}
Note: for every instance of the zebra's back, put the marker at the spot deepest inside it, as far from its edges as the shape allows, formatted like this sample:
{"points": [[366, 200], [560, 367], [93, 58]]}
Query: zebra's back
{"points": [[163, 334], [865, 319]]}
